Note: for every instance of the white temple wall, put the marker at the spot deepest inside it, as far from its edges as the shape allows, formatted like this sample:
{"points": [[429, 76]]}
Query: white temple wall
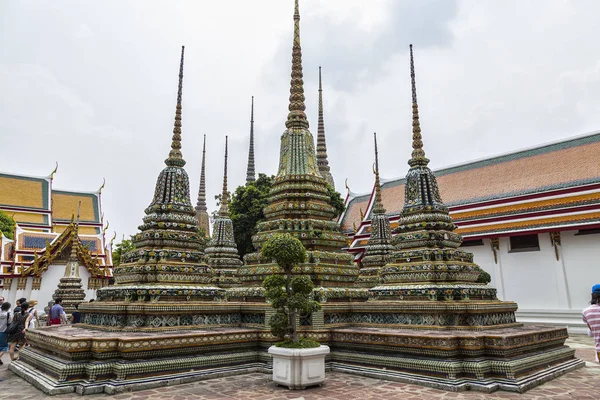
{"points": [[548, 291], [50, 279], [581, 255]]}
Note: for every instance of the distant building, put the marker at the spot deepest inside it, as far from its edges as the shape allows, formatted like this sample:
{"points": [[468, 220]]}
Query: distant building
{"points": [[32, 263], [531, 218]]}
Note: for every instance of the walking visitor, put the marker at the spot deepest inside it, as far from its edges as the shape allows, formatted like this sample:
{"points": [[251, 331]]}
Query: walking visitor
{"points": [[591, 316]]}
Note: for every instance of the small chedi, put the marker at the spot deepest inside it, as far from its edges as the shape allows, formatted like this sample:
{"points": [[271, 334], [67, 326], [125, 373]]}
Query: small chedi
{"points": [[250, 170], [415, 313], [201, 209], [380, 245], [221, 250], [322, 161], [70, 288]]}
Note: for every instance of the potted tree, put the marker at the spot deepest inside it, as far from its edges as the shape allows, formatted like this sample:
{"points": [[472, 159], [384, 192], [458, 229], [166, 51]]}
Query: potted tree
{"points": [[297, 363]]}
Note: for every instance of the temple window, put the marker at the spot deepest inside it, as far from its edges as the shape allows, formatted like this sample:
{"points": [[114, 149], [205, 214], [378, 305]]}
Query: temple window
{"points": [[524, 243], [582, 232], [470, 243]]}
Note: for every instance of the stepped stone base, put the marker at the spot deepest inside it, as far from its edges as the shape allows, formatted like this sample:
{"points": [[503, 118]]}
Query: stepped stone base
{"points": [[66, 359]]}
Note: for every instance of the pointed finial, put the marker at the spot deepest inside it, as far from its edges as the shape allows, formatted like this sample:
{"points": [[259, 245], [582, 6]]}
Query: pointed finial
{"points": [[54, 171], [250, 171], [347, 187], [102, 186], [418, 154], [224, 210], [378, 206], [297, 116], [175, 158], [201, 204]]}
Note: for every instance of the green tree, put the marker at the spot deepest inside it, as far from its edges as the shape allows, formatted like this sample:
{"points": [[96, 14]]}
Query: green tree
{"points": [[246, 210], [120, 249], [336, 201], [7, 225], [248, 202], [289, 297]]}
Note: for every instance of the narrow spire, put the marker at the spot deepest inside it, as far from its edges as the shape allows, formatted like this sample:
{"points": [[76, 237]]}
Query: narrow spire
{"points": [[75, 244], [224, 210], [322, 161], [175, 158], [378, 206], [250, 172], [201, 204], [418, 154], [297, 116]]}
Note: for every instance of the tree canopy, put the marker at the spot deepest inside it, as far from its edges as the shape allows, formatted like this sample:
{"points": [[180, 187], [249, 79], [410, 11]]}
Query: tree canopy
{"points": [[248, 202], [121, 248], [246, 210], [7, 225]]}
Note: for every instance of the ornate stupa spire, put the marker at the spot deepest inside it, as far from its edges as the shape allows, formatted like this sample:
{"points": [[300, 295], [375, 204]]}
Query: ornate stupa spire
{"points": [[221, 250], [224, 209], [175, 157], [297, 116], [299, 203], [168, 239], [250, 171], [418, 154], [425, 230], [201, 209], [378, 206], [379, 245], [321, 142]]}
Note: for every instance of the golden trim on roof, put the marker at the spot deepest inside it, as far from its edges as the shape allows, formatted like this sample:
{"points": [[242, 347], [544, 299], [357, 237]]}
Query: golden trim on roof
{"points": [[519, 225], [57, 249]]}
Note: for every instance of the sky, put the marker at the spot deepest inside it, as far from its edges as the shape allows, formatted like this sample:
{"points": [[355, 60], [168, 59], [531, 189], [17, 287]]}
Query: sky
{"points": [[92, 86]]}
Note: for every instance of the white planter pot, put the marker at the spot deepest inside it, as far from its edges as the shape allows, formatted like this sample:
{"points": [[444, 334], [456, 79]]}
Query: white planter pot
{"points": [[299, 368]]}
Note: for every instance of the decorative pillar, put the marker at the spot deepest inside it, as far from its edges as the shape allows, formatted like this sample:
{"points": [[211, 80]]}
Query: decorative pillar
{"points": [[560, 273], [499, 277]]}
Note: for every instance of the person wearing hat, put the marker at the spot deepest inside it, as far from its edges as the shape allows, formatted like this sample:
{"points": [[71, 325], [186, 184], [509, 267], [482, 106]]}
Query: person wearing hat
{"points": [[591, 316]]}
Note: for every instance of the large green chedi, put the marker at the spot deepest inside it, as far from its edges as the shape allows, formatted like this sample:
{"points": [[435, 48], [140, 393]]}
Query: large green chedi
{"points": [[299, 201]]}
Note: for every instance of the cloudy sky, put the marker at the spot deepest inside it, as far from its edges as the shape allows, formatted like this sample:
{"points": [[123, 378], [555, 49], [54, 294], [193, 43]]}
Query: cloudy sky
{"points": [[92, 85]]}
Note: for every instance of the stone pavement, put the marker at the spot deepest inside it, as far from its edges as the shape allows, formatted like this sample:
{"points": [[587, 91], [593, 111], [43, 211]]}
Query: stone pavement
{"points": [[577, 385]]}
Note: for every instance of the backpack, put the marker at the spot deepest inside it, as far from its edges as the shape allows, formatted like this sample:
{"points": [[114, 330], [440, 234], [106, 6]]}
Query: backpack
{"points": [[13, 327]]}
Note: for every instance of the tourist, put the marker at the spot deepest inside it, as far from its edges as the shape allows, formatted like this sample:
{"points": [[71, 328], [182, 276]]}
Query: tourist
{"points": [[1, 300], [18, 337], [57, 313], [76, 315], [591, 316], [18, 306], [4, 321], [32, 317]]}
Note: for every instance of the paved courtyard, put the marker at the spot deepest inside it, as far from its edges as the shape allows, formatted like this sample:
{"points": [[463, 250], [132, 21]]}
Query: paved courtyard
{"points": [[578, 385]]}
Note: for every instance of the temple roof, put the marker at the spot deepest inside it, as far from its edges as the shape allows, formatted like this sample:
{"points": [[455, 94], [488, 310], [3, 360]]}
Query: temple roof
{"points": [[564, 164], [35, 204]]}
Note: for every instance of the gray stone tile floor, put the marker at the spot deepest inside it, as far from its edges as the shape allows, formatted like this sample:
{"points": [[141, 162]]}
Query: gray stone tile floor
{"points": [[577, 385]]}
